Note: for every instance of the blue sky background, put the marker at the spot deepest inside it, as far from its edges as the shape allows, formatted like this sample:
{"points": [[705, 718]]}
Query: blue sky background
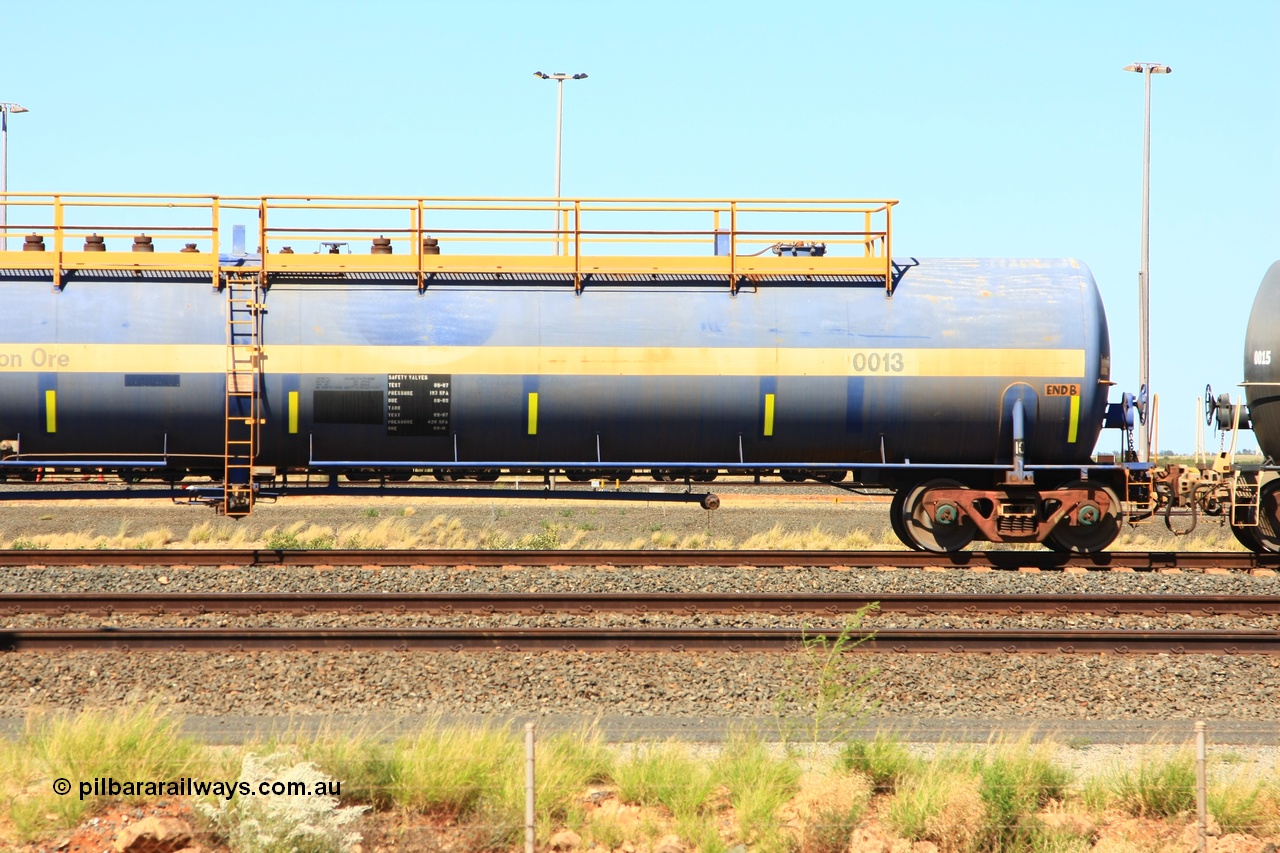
{"points": [[1004, 128]]}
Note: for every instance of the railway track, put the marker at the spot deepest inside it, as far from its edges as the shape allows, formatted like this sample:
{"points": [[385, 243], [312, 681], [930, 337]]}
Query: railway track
{"points": [[735, 640], [196, 603], [1006, 560], [641, 638]]}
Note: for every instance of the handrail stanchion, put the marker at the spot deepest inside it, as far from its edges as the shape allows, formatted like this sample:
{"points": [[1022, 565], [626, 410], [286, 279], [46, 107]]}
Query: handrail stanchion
{"points": [[415, 231], [577, 245], [262, 240], [733, 248], [888, 251], [217, 241], [57, 242]]}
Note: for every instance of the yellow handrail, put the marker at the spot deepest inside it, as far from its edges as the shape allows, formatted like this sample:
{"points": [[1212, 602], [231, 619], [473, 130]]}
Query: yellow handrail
{"points": [[495, 224]]}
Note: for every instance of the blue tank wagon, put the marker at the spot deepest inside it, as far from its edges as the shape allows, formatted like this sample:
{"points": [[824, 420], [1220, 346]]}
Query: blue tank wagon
{"points": [[974, 388]]}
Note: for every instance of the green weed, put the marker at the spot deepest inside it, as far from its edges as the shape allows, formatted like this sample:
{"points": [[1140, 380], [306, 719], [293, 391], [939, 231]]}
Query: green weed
{"points": [[756, 785], [665, 774], [1158, 786], [884, 759]]}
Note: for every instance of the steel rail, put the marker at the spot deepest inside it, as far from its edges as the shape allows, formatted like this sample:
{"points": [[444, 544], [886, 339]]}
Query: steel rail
{"points": [[523, 640], [1045, 560], [197, 603]]}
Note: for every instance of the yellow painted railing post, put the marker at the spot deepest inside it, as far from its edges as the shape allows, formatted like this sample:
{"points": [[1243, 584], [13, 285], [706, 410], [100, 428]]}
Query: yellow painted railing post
{"points": [[262, 237], [577, 247], [417, 241], [888, 249], [57, 241], [868, 243], [217, 241], [564, 228], [733, 247]]}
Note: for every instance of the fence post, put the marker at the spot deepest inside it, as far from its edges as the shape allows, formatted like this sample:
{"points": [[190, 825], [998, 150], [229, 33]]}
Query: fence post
{"points": [[1201, 790], [530, 836]]}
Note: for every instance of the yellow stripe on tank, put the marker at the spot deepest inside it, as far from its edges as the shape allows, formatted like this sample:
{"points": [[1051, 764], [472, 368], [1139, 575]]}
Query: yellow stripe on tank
{"points": [[533, 413], [562, 361], [50, 411], [1074, 428], [768, 414], [293, 412]]}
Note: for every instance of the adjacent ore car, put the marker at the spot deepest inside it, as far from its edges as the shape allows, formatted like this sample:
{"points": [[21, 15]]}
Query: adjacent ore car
{"points": [[1259, 528], [975, 389]]}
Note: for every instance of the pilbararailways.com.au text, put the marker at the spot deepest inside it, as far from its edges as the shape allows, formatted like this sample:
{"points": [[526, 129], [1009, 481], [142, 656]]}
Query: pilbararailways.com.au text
{"points": [[189, 787]]}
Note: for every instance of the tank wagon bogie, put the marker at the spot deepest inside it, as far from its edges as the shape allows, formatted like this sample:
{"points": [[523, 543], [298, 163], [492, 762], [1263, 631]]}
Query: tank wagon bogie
{"points": [[975, 389]]}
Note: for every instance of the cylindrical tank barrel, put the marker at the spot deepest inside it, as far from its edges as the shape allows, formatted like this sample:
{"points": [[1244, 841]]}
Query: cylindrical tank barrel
{"points": [[528, 373]]}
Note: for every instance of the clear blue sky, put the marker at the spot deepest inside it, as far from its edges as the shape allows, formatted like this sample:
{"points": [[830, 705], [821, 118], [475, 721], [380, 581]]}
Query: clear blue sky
{"points": [[1005, 129]]}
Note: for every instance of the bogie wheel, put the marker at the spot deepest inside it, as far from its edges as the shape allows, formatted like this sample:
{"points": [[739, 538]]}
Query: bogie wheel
{"points": [[1268, 530], [1087, 538], [895, 519], [923, 533]]}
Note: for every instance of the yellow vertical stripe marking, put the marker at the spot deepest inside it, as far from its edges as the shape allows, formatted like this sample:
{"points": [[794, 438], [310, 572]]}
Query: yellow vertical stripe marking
{"points": [[293, 412], [533, 413], [51, 411], [768, 414], [1075, 419]]}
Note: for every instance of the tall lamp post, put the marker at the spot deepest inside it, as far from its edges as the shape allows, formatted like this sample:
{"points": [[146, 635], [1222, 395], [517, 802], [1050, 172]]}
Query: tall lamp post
{"points": [[5, 109], [559, 78], [1146, 69]]}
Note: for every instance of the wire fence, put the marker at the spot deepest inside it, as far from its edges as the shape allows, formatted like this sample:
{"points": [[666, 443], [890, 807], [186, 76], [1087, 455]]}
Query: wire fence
{"points": [[1003, 794], [555, 785]]}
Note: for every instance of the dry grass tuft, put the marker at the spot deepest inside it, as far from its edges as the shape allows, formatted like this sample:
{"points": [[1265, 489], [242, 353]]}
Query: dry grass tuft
{"points": [[818, 539], [827, 809], [941, 805]]}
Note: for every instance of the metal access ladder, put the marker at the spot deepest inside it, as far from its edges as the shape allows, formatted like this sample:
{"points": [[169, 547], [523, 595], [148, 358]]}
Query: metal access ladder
{"points": [[243, 392]]}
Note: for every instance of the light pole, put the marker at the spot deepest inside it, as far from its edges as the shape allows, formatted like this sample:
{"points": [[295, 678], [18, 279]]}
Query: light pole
{"points": [[5, 109], [1146, 69], [559, 78]]}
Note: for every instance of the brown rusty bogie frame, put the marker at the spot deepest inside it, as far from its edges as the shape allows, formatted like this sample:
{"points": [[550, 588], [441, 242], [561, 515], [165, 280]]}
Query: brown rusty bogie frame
{"points": [[1018, 515]]}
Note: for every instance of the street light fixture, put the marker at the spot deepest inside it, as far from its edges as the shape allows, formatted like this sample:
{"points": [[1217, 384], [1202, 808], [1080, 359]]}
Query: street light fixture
{"points": [[559, 78], [1146, 69], [5, 109]]}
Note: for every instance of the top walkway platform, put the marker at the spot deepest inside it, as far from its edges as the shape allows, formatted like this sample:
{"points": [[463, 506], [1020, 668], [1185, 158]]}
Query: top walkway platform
{"points": [[422, 238]]}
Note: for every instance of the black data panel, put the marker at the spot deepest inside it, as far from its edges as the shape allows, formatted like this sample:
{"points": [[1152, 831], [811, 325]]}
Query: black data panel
{"points": [[418, 403]]}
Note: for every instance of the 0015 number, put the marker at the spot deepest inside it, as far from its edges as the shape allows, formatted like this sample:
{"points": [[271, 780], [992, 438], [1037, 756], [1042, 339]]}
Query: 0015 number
{"points": [[877, 362]]}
